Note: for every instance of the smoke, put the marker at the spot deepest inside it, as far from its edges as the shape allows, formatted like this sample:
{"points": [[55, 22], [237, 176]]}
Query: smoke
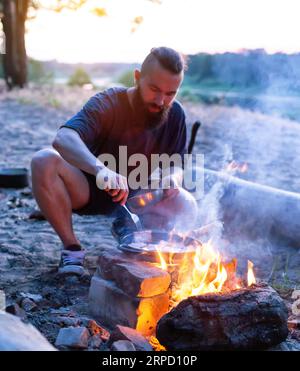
{"points": [[229, 218], [210, 212], [262, 98], [256, 220]]}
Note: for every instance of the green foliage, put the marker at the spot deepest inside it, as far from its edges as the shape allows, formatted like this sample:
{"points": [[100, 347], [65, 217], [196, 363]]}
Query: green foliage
{"points": [[79, 78], [37, 73], [200, 67], [249, 70], [126, 79]]}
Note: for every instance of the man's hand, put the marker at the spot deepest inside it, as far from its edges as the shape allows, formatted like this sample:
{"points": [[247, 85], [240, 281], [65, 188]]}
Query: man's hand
{"points": [[114, 184]]}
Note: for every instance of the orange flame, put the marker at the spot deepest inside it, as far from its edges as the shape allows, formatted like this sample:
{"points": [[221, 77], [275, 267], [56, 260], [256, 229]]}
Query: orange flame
{"points": [[207, 275], [250, 275], [202, 272], [163, 265], [156, 344], [197, 272]]}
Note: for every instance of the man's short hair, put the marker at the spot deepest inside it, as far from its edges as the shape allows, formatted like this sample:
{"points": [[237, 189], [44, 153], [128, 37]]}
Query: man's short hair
{"points": [[168, 58]]}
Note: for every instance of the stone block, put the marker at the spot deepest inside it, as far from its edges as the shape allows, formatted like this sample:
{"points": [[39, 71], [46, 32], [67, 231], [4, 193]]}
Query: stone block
{"points": [[123, 346], [135, 278], [95, 342], [129, 334], [111, 305], [73, 337]]}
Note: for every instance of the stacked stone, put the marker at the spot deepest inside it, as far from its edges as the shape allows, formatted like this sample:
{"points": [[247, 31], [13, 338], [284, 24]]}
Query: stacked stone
{"points": [[130, 292]]}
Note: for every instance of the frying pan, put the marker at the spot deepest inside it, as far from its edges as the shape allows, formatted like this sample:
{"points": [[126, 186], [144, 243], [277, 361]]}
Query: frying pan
{"points": [[13, 177], [147, 241]]}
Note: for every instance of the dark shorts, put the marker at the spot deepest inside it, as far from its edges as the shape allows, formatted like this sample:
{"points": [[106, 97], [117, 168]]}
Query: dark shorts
{"points": [[100, 202]]}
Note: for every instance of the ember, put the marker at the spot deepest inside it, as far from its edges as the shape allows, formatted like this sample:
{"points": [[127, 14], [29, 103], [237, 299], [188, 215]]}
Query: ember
{"points": [[236, 167]]}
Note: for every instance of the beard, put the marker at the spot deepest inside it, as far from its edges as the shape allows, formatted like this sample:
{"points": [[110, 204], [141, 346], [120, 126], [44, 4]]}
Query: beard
{"points": [[149, 120]]}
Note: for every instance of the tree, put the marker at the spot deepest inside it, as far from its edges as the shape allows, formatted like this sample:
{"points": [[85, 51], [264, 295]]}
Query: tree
{"points": [[37, 73], [13, 15]]}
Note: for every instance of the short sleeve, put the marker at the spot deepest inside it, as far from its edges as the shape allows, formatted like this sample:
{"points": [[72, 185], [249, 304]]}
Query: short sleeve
{"points": [[92, 120], [179, 137]]}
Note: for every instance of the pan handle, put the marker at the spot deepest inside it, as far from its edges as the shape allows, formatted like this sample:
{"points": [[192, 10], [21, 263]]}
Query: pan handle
{"points": [[195, 128]]}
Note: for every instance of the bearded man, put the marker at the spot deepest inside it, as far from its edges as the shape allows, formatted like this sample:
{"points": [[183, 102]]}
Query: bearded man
{"points": [[147, 120]]}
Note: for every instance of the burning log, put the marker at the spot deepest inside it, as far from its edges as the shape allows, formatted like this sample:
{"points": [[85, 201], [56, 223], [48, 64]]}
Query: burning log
{"points": [[250, 318]]}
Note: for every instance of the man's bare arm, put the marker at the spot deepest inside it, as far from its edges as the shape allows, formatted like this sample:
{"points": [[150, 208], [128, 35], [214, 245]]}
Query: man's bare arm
{"points": [[71, 147]]}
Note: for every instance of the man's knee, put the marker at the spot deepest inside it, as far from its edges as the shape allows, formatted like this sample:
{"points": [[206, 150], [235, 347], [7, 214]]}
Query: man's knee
{"points": [[44, 164], [45, 159]]}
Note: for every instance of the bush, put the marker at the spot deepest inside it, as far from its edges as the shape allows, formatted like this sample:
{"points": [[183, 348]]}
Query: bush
{"points": [[79, 78], [37, 73], [126, 79]]}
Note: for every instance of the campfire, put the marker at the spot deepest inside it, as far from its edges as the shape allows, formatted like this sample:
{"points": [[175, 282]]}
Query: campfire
{"points": [[182, 294], [202, 272], [211, 307]]}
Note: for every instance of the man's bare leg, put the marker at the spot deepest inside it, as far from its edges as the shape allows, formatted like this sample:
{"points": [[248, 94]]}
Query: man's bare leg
{"points": [[58, 187]]}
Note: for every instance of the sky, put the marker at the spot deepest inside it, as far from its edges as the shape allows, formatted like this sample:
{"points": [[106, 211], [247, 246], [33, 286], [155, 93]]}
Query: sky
{"points": [[190, 26]]}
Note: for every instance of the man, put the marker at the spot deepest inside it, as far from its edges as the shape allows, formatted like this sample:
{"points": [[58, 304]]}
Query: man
{"points": [[145, 118]]}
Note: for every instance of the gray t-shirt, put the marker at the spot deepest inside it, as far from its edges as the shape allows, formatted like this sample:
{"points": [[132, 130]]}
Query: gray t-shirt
{"points": [[108, 121]]}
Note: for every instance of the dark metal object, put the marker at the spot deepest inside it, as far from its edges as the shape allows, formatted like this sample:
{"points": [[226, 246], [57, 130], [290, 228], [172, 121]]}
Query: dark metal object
{"points": [[195, 129], [142, 201], [147, 240], [13, 178]]}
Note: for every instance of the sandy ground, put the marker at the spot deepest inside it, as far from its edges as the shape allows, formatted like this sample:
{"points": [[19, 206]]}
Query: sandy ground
{"points": [[30, 250]]}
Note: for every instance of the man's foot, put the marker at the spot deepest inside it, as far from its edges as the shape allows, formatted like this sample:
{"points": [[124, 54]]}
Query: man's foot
{"points": [[121, 227], [72, 263]]}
